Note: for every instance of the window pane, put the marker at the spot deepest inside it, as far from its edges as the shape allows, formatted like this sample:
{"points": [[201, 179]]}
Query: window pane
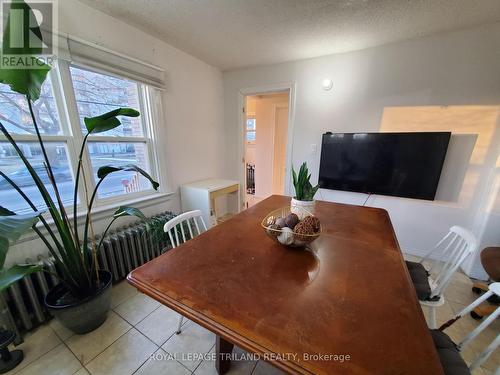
{"points": [[98, 93], [13, 167], [119, 154], [251, 124], [250, 136], [15, 115]]}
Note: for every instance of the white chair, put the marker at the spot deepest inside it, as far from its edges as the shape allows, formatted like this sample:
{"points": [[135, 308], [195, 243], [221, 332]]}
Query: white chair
{"points": [[449, 254], [444, 345], [182, 228]]}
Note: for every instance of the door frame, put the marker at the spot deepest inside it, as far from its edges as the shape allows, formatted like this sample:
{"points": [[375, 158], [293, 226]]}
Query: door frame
{"points": [[263, 90], [275, 108]]}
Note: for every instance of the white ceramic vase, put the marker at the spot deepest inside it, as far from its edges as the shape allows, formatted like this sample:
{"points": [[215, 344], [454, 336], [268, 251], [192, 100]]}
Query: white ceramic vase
{"points": [[302, 208]]}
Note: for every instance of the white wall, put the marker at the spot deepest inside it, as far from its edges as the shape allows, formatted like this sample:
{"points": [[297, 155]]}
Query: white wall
{"points": [[457, 69], [192, 138], [193, 99]]}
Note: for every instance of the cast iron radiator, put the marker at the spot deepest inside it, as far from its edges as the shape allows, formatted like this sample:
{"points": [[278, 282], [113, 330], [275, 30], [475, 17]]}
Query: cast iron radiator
{"points": [[21, 305]]}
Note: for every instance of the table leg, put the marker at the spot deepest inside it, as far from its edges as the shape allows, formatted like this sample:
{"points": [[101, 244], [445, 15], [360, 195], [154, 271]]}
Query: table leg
{"points": [[223, 350]]}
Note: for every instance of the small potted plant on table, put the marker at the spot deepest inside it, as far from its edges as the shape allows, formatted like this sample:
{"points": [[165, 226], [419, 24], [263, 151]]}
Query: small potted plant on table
{"points": [[303, 201]]}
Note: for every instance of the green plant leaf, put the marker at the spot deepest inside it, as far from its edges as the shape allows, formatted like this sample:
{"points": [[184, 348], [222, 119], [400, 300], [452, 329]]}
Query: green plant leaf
{"points": [[303, 189], [121, 212], [108, 121], [6, 212], [17, 272], [129, 211], [14, 226], [294, 177], [107, 169], [4, 248], [4, 242], [303, 170], [26, 81], [11, 228]]}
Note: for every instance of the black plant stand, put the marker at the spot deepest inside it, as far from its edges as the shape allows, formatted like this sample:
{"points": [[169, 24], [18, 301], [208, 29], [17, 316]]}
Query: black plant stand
{"points": [[9, 359]]}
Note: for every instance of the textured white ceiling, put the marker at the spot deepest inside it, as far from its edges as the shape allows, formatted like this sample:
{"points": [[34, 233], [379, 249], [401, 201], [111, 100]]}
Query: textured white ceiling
{"points": [[233, 34]]}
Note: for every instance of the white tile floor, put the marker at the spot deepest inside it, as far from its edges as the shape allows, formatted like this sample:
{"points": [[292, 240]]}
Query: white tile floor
{"points": [[139, 338]]}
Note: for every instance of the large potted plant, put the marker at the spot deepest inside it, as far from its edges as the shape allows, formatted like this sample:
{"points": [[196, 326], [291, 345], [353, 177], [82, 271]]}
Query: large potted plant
{"points": [[82, 299], [303, 201]]}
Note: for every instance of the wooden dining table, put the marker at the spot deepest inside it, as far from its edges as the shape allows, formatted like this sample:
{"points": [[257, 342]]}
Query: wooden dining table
{"points": [[344, 305]]}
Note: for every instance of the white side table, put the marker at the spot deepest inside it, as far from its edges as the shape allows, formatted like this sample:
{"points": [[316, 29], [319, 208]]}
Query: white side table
{"points": [[207, 196]]}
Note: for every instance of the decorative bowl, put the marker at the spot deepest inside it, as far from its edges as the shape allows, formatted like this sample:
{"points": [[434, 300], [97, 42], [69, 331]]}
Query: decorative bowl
{"points": [[286, 236]]}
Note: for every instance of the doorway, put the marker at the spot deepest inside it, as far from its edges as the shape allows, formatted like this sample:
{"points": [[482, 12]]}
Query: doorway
{"points": [[265, 138]]}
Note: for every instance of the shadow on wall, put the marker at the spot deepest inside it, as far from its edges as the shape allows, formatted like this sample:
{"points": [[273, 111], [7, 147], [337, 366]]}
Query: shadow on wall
{"points": [[491, 216], [472, 151], [455, 167]]}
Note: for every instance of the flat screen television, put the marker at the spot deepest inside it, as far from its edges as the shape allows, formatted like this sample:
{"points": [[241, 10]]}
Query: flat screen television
{"points": [[398, 164]]}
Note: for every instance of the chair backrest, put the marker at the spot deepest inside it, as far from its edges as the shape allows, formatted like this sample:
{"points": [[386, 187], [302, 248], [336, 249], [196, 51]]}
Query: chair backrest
{"points": [[185, 227], [494, 289], [454, 248]]}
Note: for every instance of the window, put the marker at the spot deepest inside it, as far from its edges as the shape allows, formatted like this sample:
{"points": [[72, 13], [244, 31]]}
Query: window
{"points": [[14, 168], [120, 154], [97, 93], [15, 115], [60, 119], [250, 130]]}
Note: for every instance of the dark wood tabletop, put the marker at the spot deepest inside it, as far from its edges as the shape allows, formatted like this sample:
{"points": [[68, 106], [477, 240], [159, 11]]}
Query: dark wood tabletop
{"points": [[349, 295]]}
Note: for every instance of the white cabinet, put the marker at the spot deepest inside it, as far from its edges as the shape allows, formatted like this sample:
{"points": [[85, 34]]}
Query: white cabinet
{"points": [[216, 198]]}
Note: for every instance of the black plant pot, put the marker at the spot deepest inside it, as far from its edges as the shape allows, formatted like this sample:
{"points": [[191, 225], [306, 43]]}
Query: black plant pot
{"points": [[9, 359], [84, 315]]}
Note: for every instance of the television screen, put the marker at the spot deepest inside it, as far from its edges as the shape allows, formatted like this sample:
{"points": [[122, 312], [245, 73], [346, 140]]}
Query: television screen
{"points": [[399, 164]]}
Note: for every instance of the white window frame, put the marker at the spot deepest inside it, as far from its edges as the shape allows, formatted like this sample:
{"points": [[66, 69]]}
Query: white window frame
{"points": [[72, 136]]}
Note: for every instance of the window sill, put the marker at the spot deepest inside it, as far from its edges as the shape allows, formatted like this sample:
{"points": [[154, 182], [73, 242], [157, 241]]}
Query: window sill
{"points": [[106, 211]]}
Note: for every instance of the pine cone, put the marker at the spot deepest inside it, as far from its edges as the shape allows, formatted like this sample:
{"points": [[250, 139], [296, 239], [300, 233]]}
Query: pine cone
{"points": [[302, 231], [313, 222]]}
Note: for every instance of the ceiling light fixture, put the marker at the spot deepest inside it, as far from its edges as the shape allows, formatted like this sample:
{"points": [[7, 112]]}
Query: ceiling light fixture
{"points": [[327, 84]]}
